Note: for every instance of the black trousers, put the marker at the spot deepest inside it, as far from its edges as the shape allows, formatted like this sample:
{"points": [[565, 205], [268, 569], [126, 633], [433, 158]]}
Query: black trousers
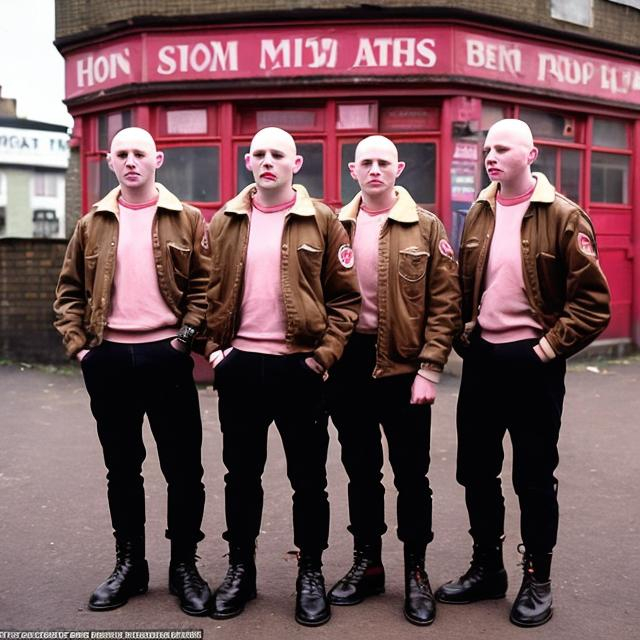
{"points": [[359, 404], [255, 390], [125, 382], [505, 387]]}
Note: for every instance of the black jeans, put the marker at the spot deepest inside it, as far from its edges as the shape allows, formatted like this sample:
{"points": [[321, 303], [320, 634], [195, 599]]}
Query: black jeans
{"points": [[255, 390], [505, 387], [124, 382], [359, 404]]}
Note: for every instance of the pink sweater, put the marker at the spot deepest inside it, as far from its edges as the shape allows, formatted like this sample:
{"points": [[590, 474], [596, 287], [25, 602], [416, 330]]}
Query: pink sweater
{"points": [[365, 250], [138, 311], [262, 316], [505, 313]]}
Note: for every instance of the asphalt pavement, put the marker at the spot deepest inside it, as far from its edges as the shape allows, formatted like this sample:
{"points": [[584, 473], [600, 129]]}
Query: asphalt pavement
{"points": [[56, 544]]}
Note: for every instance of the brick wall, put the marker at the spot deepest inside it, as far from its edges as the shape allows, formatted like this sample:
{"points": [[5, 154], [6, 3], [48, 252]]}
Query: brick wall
{"points": [[29, 271], [615, 23]]}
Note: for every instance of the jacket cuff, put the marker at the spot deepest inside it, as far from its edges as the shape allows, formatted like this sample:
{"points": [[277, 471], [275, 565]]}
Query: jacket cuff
{"points": [[429, 374]]}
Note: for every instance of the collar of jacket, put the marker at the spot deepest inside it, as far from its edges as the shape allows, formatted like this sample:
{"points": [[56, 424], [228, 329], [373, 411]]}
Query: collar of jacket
{"points": [[404, 210], [544, 192], [166, 200], [241, 204]]}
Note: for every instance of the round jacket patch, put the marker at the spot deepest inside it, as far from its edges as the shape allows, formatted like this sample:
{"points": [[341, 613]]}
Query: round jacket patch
{"points": [[585, 245], [345, 256], [446, 249]]}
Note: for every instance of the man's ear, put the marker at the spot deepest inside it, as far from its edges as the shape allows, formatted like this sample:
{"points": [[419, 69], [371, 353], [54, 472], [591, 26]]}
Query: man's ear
{"points": [[352, 170], [247, 161], [400, 168], [159, 159], [533, 154], [110, 162], [297, 164]]}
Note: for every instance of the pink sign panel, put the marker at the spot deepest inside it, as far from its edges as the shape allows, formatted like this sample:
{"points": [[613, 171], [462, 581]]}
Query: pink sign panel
{"points": [[344, 51]]}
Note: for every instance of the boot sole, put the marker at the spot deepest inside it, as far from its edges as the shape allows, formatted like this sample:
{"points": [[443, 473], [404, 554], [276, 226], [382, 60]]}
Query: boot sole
{"points": [[375, 592], [527, 625], [232, 614], [472, 600], [111, 607]]}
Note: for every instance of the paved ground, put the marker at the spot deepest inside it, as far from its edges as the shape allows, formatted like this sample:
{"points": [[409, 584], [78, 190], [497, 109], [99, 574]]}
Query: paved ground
{"points": [[55, 543]]}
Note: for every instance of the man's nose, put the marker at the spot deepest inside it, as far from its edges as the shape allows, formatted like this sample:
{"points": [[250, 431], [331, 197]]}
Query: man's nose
{"points": [[375, 167], [268, 159], [131, 159]]}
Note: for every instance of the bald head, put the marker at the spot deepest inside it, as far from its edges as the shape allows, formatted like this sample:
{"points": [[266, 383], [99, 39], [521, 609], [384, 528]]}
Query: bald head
{"points": [[134, 137], [274, 138], [511, 131], [374, 145]]}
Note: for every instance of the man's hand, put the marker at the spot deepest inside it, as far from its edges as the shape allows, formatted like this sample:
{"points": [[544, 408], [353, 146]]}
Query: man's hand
{"points": [[81, 354], [423, 391], [178, 345]]}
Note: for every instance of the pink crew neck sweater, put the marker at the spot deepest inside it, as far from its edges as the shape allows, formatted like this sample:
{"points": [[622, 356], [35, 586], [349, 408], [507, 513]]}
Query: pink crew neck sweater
{"points": [[138, 311], [505, 313], [365, 249], [262, 316]]}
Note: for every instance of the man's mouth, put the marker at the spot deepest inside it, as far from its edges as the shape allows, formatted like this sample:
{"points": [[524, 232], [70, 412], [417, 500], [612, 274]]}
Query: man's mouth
{"points": [[267, 175]]}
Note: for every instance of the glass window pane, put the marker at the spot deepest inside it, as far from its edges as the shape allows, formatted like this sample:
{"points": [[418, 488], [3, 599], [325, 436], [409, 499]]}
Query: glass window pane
{"points": [[570, 161], [192, 173], [419, 175], [356, 116], [311, 175], [546, 163], [348, 186], [609, 178], [109, 124], [491, 113], [187, 121], [304, 119], [550, 126], [409, 118], [100, 179], [610, 133]]}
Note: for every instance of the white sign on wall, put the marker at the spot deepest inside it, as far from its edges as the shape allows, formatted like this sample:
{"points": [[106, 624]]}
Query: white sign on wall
{"points": [[33, 147]]}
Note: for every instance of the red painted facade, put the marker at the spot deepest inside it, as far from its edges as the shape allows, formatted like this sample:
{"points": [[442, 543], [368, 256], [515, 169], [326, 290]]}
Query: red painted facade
{"points": [[433, 87]]}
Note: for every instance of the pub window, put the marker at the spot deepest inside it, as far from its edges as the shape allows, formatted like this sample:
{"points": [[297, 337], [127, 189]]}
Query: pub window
{"points": [[562, 167], [311, 175], [609, 133], [186, 122], [609, 178], [109, 124], [250, 120], [45, 184], [3, 221], [357, 116], [549, 126], [45, 223], [100, 179], [192, 173], [409, 118]]}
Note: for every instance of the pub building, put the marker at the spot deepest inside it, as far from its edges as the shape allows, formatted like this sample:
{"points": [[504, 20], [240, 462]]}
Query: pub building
{"points": [[432, 81]]}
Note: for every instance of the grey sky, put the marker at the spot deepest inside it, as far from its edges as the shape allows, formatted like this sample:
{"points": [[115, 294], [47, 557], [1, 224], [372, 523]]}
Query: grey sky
{"points": [[31, 69]]}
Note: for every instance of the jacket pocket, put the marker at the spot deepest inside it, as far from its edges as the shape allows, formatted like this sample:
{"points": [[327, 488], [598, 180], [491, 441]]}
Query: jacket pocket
{"points": [[469, 252], [412, 269], [180, 259], [551, 280], [310, 259]]}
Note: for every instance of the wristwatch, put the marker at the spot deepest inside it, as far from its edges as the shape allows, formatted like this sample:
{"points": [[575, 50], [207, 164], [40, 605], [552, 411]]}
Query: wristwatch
{"points": [[186, 336]]}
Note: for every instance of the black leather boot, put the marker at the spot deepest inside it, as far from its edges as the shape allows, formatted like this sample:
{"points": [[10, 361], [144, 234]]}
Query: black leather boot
{"points": [[533, 604], [364, 579], [130, 577], [419, 603], [186, 582], [238, 586], [485, 579], [312, 605]]}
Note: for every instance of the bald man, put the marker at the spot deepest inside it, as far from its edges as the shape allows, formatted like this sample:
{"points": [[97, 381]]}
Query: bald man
{"points": [[130, 299], [389, 373], [283, 299], [533, 294]]}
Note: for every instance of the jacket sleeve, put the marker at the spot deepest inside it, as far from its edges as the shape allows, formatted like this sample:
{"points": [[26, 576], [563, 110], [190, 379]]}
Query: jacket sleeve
{"points": [[70, 303], [442, 315], [199, 268], [341, 295], [586, 310]]}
